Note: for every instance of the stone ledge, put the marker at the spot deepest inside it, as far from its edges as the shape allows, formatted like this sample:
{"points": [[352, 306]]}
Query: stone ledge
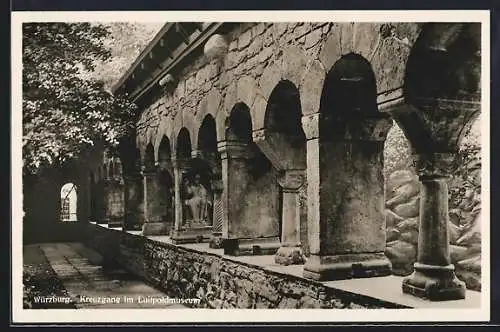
{"points": [[377, 292]]}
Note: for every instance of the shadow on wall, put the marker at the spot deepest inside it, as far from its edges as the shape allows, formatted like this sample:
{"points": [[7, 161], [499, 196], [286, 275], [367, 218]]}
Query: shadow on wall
{"points": [[402, 208], [54, 231]]}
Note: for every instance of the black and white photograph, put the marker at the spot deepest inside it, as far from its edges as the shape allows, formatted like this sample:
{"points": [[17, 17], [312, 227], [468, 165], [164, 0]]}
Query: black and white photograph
{"points": [[213, 162]]}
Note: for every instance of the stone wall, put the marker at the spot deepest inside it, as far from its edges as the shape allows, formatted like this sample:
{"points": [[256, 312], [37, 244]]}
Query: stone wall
{"points": [[218, 281], [259, 55]]}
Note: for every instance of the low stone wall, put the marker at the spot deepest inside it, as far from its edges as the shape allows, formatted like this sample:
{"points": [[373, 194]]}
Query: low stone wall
{"points": [[218, 281]]}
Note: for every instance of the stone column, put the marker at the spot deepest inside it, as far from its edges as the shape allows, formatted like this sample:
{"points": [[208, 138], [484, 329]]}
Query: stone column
{"points": [[346, 222], [240, 236], [290, 251], [218, 215], [116, 206], [133, 198], [434, 277], [435, 128], [93, 214], [103, 202], [153, 212]]}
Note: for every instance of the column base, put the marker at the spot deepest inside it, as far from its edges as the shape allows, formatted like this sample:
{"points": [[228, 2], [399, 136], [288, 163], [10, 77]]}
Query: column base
{"points": [[435, 283], [191, 235], [290, 255], [102, 221], [115, 223], [216, 242], [250, 247], [347, 266], [156, 228], [136, 227]]}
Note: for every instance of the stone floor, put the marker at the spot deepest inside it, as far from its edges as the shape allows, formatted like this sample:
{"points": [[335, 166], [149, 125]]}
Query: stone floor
{"points": [[91, 285]]}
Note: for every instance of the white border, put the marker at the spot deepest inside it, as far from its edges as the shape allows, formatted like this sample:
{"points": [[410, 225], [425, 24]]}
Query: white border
{"points": [[240, 315]]}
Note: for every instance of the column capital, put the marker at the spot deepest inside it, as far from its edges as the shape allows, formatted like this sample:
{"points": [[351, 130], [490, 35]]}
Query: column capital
{"points": [[200, 154], [259, 135], [310, 125], [181, 163], [292, 180], [434, 165], [234, 150], [372, 129], [132, 177], [217, 186], [149, 170]]}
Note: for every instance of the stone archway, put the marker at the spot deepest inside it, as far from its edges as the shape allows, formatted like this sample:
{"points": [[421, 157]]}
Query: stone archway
{"points": [[69, 203], [134, 187], [208, 164], [165, 194], [115, 192], [442, 95], [251, 193], [345, 176], [283, 142], [188, 227]]}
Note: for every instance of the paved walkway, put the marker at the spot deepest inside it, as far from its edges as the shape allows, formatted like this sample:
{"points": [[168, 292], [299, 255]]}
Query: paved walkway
{"points": [[92, 286]]}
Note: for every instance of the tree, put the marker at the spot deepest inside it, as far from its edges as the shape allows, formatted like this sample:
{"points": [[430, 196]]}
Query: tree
{"points": [[65, 108], [126, 41]]}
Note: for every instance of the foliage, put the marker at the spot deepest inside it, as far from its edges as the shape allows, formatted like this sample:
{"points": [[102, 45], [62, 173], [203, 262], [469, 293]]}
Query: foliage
{"points": [[126, 40], [464, 184], [397, 151], [66, 110]]}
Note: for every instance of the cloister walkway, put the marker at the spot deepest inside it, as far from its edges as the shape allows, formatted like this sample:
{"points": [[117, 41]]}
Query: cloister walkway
{"points": [[90, 285]]}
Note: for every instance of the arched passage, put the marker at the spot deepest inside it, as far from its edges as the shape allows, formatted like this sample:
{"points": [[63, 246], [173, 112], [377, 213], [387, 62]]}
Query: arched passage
{"points": [[166, 181], [69, 201], [345, 177], [92, 195], [191, 178], [283, 142], [207, 165], [251, 195], [442, 87], [115, 196], [134, 188]]}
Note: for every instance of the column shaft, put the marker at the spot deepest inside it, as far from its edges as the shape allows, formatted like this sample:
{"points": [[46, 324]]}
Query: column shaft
{"points": [[434, 277], [153, 210]]}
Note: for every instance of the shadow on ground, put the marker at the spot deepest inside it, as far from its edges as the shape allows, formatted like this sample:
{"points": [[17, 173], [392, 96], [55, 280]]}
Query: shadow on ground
{"points": [[69, 275]]}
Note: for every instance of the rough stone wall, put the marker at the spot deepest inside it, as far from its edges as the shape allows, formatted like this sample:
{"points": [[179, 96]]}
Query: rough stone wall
{"points": [[217, 281], [264, 53], [259, 55]]}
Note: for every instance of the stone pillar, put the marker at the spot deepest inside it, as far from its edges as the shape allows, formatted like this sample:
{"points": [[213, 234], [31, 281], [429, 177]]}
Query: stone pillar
{"points": [[290, 251], [133, 199], [218, 215], [434, 277], [180, 167], [116, 207], [153, 210], [102, 211], [93, 214], [346, 221], [240, 235]]}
